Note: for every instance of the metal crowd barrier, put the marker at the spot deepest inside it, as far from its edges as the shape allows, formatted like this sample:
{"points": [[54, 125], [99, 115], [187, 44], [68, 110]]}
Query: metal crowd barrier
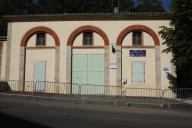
{"points": [[99, 92], [102, 90], [144, 96], [30, 87], [177, 96]]}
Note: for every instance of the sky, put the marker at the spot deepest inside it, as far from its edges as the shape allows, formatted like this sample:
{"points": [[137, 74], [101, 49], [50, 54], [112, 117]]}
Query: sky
{"points": [[166, 4]]}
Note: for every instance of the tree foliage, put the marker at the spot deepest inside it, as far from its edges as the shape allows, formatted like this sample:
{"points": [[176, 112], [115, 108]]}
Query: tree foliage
{"points": [[178, 38], [150, 6], [74, 6], [24, 7], [126, 6], [81, 6], [14, 7]]}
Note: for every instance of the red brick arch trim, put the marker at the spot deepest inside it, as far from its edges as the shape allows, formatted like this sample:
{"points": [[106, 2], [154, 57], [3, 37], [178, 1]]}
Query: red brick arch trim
{"points": [[81, 29], [132, 28], [34, 30]]}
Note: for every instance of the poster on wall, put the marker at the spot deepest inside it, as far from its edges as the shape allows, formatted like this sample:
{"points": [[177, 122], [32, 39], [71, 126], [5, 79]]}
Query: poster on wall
{"points": [[137, 53]]}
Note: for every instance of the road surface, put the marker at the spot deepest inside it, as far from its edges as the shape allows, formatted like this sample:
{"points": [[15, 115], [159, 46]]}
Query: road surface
{"points": [[22, 112]]}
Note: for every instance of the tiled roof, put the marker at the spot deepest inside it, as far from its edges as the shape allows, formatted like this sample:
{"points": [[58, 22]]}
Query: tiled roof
{"points": [[90, 16]]}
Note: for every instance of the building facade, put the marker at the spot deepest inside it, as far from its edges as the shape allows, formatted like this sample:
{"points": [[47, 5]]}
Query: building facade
{"points": [[99, 49], [3, 44]]}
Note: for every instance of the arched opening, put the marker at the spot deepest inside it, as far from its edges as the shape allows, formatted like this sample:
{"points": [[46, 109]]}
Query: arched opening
{"points": [[88, 62], [138, 65], [43, 59], [35, 30], [132, 28], [82, 29]]}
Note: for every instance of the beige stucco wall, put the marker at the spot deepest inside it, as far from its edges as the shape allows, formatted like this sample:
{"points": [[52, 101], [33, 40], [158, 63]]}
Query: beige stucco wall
{"points": [[3, 60], [112, 30], [44, 55], [165, 62], [149, 61]]}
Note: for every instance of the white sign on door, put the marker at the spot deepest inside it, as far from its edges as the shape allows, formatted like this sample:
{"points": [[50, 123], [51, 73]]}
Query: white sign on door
{"points": [[112, 66]]}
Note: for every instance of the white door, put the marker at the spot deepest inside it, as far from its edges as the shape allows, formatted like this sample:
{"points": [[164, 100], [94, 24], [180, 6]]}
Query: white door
{"points": [[39, 75], [138, 72]]}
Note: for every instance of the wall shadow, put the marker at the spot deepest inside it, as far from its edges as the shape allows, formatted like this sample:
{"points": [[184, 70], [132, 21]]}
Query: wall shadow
{"points": [[10, 121], [182, 92], [172, 81], [4, 86]]}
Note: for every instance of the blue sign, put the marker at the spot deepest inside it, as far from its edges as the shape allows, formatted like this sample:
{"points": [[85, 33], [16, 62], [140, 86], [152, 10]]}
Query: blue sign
{"points": [[137, 53]]}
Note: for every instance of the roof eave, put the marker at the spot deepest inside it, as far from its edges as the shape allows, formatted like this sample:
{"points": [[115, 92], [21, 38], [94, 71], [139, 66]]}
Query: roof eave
{"points": [[88, 17]]}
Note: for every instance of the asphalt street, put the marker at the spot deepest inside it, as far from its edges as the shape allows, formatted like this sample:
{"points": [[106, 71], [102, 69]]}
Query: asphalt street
{"points": [[22, 112]]}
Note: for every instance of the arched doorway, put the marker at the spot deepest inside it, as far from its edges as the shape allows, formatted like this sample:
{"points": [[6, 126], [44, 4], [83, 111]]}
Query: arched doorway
{"points": [[37, 63], [134, 69], [88, 54]]}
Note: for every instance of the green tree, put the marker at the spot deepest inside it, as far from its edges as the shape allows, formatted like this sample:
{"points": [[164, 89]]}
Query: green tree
{"points": [[14, 7], [73, 6], [150, 6], [126, 6], [17, 7], [178, 38], [81, 6]]}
